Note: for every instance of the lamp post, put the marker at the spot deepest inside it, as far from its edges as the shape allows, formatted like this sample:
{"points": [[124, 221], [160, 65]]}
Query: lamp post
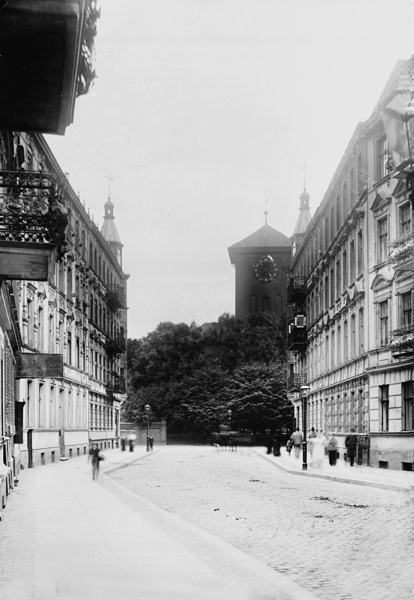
{"points": [[229, 416], [147, 411], [304, 397]]}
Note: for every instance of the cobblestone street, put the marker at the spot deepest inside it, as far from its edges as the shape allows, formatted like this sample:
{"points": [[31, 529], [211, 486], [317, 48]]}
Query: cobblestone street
{"points": [[341, 541]]}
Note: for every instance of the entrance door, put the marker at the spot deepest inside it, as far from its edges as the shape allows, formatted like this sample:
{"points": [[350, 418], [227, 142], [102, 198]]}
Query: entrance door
{"points": [[30, 448], [61, 423]]}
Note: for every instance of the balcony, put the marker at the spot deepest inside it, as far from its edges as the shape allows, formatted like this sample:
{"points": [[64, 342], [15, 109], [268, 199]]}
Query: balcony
{"points": [[33, 220], [402, 341], [46, 61], [402, 252], [297, 334], [115, 343], [295, 381], [115, 384], [115, 296], [296, 289]]}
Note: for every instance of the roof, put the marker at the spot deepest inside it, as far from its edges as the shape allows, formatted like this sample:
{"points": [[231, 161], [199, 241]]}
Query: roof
{"points": [[303, 221], [109, 231], [264, 237]]}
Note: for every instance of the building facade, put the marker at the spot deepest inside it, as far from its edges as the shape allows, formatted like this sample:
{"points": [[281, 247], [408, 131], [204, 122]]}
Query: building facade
{"points": [[351, 296], [262, 263], [80, 313]]}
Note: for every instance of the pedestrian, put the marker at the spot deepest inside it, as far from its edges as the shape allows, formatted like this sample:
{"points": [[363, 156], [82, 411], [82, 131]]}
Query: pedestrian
{"points": [[332, 449], [276, 444], [95, 455], [311, 441], [297, 439], [351, 441], [131, 437], [151, 442], [289, 446], [269, 443], [318, 450]]}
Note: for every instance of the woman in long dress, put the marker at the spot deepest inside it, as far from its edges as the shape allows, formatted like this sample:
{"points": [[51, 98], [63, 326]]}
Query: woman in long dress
{"points": [[318, 450]]}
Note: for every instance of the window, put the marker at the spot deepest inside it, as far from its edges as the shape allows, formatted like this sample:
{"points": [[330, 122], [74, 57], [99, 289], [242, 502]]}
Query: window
{"points": [[332, 287], [384, 407], [381, 157], [353, 336], [344, 270], [332, 223], [338, 213], [352, 261], [338, 347], [405, 219], [266, 304], [382, 239], [383, 322], [345, 341], [40, 330], [338, 278], [69, 349], [408, 415], [253, 304], [332, 349], [326, 292], [360, 250], [361, 174], [345, 201], [361, 329], [406, 309], [351, 188]]}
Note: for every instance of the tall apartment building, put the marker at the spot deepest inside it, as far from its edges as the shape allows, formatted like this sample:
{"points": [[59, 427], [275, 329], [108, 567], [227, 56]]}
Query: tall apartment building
{"points": [[351, 298], [79, 313], [38, 94]]}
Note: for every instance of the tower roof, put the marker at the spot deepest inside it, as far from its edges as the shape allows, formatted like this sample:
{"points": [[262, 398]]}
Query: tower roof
{"points": [[109, 230], [304, 217], [264, 237]]}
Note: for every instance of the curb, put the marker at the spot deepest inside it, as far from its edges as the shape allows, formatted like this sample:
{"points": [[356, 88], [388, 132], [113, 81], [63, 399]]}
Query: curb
{"points": [[385, 486], [116, 467]]}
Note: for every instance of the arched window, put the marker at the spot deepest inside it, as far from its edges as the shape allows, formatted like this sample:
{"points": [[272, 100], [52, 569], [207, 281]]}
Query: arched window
{"points": [[253, 304], [266, 304], [278, 305]]}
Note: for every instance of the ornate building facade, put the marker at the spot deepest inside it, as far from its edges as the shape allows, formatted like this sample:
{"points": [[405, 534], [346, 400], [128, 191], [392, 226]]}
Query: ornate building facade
{"points": [[351, 293]]}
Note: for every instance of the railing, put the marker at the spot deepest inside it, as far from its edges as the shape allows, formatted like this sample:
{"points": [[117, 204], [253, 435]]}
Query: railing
{"points": [[402, 341], [403, 248], [295, 381], [116, 343], [296, 289], [115, 296], [32, 209], [115, 384]]}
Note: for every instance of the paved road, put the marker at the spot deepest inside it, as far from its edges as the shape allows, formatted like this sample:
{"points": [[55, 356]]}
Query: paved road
{"points": [[339, 540]]}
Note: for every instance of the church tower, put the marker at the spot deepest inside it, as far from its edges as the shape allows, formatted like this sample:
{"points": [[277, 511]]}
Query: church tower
{"points": [[110, 232], [261, 261], [303, 221]]}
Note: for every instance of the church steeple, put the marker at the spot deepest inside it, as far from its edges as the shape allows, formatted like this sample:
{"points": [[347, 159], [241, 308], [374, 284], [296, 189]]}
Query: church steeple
{"points": [[303, 220], [109, 231]]}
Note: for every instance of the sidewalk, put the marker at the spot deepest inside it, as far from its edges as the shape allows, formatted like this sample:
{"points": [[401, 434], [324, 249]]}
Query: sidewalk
{"points": [[342, 471], [64, 536]]}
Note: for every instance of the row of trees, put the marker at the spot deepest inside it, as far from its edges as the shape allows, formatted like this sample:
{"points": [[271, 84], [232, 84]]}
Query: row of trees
{"points": [[193, 375]]}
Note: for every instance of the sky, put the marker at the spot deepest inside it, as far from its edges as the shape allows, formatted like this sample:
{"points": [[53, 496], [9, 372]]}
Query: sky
{"points": [[204, 113]]}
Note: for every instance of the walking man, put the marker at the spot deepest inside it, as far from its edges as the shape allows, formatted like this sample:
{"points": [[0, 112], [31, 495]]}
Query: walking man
{"points": [[351, 446], [297, 439], [332, 449]]}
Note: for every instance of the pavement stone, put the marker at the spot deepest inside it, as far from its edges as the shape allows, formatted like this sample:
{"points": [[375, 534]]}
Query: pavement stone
{"points": [[338, 540], [65, 536]]}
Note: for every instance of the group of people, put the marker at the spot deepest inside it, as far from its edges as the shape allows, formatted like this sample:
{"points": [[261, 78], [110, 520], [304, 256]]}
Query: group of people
{"points": [[317, 442]]}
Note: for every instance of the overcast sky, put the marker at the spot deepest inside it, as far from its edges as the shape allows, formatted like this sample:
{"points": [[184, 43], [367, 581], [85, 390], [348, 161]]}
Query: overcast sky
{"points": [[202, 111]]}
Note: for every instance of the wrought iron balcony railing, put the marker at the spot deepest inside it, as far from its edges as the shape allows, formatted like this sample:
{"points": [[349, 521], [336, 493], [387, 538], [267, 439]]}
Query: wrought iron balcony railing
{"points": [[296, 289], [402, 341], [297, 334], [32, 212], [116, 343], [115, 384], [115, 296], [402, 250], [295, 381]]}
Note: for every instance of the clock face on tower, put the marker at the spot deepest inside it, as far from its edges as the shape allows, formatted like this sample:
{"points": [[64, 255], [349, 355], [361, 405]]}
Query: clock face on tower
{"points": [[265, 269]]}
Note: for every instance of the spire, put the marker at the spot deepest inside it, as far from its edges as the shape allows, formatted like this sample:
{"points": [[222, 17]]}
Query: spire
{"points": [[266, 213], [110, 232], [304, 217]]}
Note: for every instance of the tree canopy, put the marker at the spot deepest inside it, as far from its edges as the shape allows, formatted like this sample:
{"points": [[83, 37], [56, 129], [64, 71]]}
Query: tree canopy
{"points": [[193, 376]]}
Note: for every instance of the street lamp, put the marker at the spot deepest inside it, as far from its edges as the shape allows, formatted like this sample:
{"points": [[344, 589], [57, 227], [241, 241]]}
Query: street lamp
{"points": [[304, 398], [147, 410]]}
